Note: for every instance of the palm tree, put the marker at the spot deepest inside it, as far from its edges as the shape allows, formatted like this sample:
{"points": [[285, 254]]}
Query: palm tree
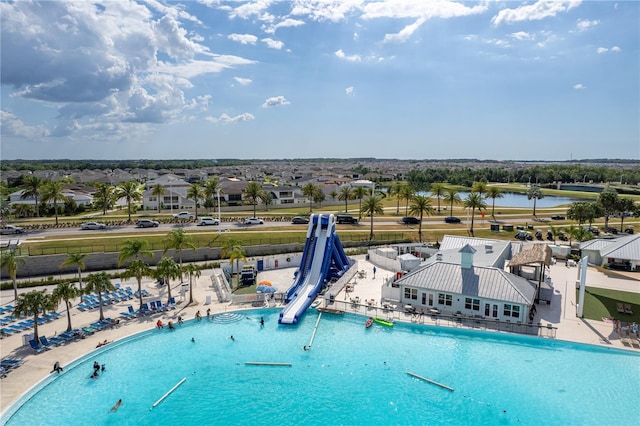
{"points": [[494, 192], [624, 205], [131, 191], [158, 191], [267, 199], [232, 249], [395, 191], [32, 188], [253, 191], [308, 190], [32, 303], [333, 194], [166, 270], [474, 201], [195, 193], [608, 200], [536, 193], [437, 191], [135, 249], [452, 197], [193, 270], [359, 192], [53, 191], [420, 206], [211, 187], [372, 206], [318, 196], [104, 196], [66, 291], [178, 240], [10, 261], [99, 283], [346, 194], [76, 259], [480, 187], [406, 193]]}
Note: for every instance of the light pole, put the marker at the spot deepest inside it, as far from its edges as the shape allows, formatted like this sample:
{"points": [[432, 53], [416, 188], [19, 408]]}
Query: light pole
{"points": [[171, 194], [219, 219]]}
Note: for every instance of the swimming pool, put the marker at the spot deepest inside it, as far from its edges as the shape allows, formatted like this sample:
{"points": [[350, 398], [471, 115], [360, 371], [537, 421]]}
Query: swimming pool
{"points": [[352, 375]]}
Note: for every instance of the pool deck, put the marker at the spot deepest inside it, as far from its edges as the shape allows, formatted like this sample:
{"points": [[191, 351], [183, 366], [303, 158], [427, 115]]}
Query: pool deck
{"points": [[561, 313]]}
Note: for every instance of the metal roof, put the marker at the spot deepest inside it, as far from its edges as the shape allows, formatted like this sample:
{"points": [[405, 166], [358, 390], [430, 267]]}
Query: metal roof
{"points": [[627, 247], [481, 281], [487, 252]]}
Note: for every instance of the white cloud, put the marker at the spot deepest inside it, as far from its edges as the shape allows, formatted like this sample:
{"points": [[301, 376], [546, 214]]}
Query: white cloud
{"points": [[585, 24], [275, 101], [522, 35], [226, 119], [10, 125], [243, 38], [602, 50], [349, 90], [352, 58], [579, 86], [405, 33], [534, 12], [243, 81], [616, 49], [247, 10], [498, 42], [273, 44], [288, 22], [471, 37], [419, 9], [325, 10]]}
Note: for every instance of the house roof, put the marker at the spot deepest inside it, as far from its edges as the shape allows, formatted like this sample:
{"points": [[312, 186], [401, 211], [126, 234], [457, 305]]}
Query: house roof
{"points": [[539, 253], [487, 252], [626, 247], [480, 281]]}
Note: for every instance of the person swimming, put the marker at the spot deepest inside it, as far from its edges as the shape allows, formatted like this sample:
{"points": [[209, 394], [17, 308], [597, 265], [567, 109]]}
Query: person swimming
{"points": [[116, 406]]}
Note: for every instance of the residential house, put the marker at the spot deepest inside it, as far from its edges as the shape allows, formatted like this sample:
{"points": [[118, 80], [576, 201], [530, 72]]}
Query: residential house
{"points": [[174, 198], [622, 252]]}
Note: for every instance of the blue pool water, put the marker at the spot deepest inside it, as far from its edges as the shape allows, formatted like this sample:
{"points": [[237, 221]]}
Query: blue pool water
{"points": [[352, 375]]}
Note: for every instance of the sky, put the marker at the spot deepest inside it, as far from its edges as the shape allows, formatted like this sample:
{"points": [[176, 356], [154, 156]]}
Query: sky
{"points": [[389, 79]]}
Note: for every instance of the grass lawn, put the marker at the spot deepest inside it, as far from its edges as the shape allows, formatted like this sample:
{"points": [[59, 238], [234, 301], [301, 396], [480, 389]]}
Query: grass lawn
{"points": [[601, 303]]}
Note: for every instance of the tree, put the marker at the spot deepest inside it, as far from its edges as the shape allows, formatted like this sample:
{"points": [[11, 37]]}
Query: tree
{"points": [[195, 192], [33, 303], [608, 200], [158, 191], [494, 192], [420, 206], [372, 206], [333, 194], [625, 205], [318, 196], [104, 196], [232, 249], [346, 194], [99, 283], [32, 188], [65, 291], [135, 249], [53, 192], [267, 199], [308, 190], [166, 270], [76, 259], [480, 187], [131, 191], [474, 201], [211, 188], [452, 196], [394, 191], [359, 192], [253, 191], [178, 240], [534, 193], [438, 191], [194, 271], [11, 261]]}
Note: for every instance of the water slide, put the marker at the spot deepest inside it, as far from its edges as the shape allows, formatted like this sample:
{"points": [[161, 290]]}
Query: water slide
{"points": [[323, 259]]}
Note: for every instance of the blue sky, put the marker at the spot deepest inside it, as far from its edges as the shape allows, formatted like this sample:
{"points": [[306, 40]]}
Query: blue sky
{"points": [[405, 79]]}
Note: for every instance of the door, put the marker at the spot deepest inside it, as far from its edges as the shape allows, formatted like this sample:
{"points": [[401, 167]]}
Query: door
{"points": [[486, 309], [430, 299]]}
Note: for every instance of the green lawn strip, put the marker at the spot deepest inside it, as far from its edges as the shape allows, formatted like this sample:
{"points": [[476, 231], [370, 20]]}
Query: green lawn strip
{"points": [[601, 303]]}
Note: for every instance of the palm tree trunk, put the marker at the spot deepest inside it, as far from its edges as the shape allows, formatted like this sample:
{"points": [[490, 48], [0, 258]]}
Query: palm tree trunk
{"points": [[140, 291], [80, 283], [100, 302], [35, 326], [15, 290], [473, 213], [371, 231], [68, 316], [168, 292], [190, 289], [55, 210]]}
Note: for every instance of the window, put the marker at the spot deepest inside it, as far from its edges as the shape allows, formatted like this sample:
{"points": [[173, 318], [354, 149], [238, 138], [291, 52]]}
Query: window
{"points": [[424, 298], [467, 303], [515, 311], [470, 303], [476, 305], [487, 308], [152, 199], [430, 299], [445, 299], [411, 293], [495, 311], [507, 310]]}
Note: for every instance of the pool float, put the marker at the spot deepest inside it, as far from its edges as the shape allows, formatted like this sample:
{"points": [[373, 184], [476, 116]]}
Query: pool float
{"points": [[383, 322], [369, 322]]}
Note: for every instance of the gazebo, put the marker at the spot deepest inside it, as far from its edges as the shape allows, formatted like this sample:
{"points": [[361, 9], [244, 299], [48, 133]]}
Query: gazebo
{"points": [[537, 257]]}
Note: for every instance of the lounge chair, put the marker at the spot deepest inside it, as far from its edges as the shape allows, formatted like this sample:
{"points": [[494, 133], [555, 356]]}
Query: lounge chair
{"points": [[10, 363], [127, 315], [145, 309], [7, 331], [35, 346], [45, 342], [627, 309], [89, 330], [172, 303], [56, 340], [620, 307]]}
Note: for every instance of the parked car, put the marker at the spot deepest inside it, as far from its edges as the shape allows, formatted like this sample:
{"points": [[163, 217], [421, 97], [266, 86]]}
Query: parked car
{"points": [[147, 223], [557, 217], [253, 221], [346, 218], [410, 220], [299, 220], [184, 215], [10, 229], [452, 219], [629, 230], [524, 235], [206, 220], [92, 226]]}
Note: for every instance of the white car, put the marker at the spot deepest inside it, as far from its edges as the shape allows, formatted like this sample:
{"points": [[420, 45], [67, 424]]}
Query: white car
{"points": [[93, 226], [184, 215], [253, 221], [10, 229], [204, 221]]}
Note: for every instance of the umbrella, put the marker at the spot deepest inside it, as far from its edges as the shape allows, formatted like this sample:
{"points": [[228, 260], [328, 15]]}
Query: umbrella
{"points": [[264, 283], [266, 289]]}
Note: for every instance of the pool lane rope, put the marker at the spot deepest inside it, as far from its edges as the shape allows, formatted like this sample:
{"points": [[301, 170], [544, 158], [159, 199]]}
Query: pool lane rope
{"points": [[430, 381], [155, 404]]}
